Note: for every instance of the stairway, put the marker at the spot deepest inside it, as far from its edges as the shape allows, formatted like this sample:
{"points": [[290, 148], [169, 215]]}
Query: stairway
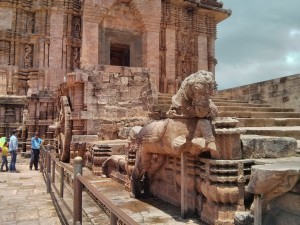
{"points": [[259, 119]]}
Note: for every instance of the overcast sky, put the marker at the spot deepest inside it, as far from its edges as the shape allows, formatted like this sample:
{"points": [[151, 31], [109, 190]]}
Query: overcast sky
{"points": [[259, 41]]}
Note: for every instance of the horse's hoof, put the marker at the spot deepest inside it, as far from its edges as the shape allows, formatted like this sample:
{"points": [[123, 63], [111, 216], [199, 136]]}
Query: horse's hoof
{"points": [[212, 146], [199, 142], [178, 142], [198, 146]]}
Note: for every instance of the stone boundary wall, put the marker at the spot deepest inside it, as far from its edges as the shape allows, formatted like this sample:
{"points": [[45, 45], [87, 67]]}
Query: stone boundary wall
{"points": [[281, 92]]}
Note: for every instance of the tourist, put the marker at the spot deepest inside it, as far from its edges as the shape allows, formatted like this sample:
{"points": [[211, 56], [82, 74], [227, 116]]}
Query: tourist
{"points": [[4, 155], [35, 151], [13, 148]]}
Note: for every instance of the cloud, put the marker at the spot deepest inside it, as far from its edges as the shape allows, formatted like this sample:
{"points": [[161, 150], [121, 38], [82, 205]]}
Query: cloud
{"points": [[294, 33], [260, 41]]}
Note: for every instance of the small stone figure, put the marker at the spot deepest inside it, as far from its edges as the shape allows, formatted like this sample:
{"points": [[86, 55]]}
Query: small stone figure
{"points": [[76, 58], [28, 56], [77, 27]]}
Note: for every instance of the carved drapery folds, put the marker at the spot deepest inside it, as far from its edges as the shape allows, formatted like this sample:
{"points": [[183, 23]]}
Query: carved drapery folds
{"points": [[28, 56]]}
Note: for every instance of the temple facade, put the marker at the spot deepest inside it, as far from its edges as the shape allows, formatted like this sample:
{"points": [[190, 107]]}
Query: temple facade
{"points": [[109, 58]]}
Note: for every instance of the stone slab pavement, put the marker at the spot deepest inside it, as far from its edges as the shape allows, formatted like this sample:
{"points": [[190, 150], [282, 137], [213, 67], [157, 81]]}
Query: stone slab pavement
{"points": [[24, 199]]}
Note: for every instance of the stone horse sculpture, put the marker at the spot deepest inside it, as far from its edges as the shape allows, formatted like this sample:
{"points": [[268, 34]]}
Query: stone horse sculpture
{"points": [[188, 128]]}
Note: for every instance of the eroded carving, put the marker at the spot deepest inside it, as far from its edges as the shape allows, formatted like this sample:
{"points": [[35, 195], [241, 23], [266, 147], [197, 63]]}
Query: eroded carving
{"points": [[30, 23], [77, 27], [28, 56], [76, 58]]}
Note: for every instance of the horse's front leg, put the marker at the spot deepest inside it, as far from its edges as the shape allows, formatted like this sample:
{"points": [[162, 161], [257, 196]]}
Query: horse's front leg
{"points": [[142, 164]]}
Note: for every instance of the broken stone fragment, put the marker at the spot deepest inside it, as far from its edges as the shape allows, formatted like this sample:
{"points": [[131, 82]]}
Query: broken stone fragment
{"points": [[256, 146], [243, 218], [273, 180]]}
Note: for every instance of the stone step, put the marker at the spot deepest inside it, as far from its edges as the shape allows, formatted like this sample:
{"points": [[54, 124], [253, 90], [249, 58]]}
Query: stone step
{"points": [[239, 114], [228, 101], [268, 122], [241, 104], [161, 108], [169, 97], [164, 101], [215, 100], [291, 131], [218, 98], [164, 98], [253, 109]]}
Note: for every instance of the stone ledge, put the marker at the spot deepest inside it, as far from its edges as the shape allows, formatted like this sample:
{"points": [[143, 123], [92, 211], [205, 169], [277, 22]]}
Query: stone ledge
{"points": [[256, 146]]}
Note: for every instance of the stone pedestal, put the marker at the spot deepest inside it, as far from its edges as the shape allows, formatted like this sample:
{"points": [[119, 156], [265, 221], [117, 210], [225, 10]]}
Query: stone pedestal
{"points": [[222, 183]]}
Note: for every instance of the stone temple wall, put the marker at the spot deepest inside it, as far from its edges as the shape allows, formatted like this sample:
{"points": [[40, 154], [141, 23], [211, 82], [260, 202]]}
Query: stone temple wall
{"points": [[280, 92], [108, 100]]}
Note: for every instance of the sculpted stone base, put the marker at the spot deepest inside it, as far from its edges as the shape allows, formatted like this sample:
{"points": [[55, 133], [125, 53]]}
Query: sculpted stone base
{"points": [[218, 214]]}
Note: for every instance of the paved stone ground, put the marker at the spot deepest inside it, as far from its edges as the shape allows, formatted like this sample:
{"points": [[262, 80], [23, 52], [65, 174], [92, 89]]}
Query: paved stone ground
{"points": [[24, 199]]}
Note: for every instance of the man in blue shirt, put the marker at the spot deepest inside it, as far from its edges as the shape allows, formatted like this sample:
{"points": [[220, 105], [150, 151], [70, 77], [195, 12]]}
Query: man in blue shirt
{"points": [[13, 148], [35, 152]]}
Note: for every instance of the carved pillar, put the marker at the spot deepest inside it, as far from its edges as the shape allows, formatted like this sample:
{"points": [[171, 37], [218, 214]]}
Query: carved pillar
{"points": [[170, 59], [41, 55], [211, 55], [78, 125], [162, 60], [90, 43], [2, 125], [211, 32], [202, 52], [32, 106], [56, 49]]}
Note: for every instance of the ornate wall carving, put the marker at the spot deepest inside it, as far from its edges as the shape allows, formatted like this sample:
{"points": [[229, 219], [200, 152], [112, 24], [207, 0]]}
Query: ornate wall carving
{"points": [[76, 27], [75, 58], [188, 23], [28, 55], [30, 23]]}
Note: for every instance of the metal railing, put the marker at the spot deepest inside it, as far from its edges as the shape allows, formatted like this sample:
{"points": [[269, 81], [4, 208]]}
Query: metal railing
{"points": [[48, 167]]}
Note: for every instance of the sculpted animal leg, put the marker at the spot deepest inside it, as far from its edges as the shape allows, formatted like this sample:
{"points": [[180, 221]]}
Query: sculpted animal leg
{"points": [[203, 136], [142, 164]]}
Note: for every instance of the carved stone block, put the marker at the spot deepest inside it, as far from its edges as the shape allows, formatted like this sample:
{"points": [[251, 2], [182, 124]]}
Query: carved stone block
{"points": [[257, 146]]}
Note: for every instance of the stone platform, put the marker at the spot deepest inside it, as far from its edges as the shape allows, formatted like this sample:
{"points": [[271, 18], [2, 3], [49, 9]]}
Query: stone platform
{"points": [[24, 199]]}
